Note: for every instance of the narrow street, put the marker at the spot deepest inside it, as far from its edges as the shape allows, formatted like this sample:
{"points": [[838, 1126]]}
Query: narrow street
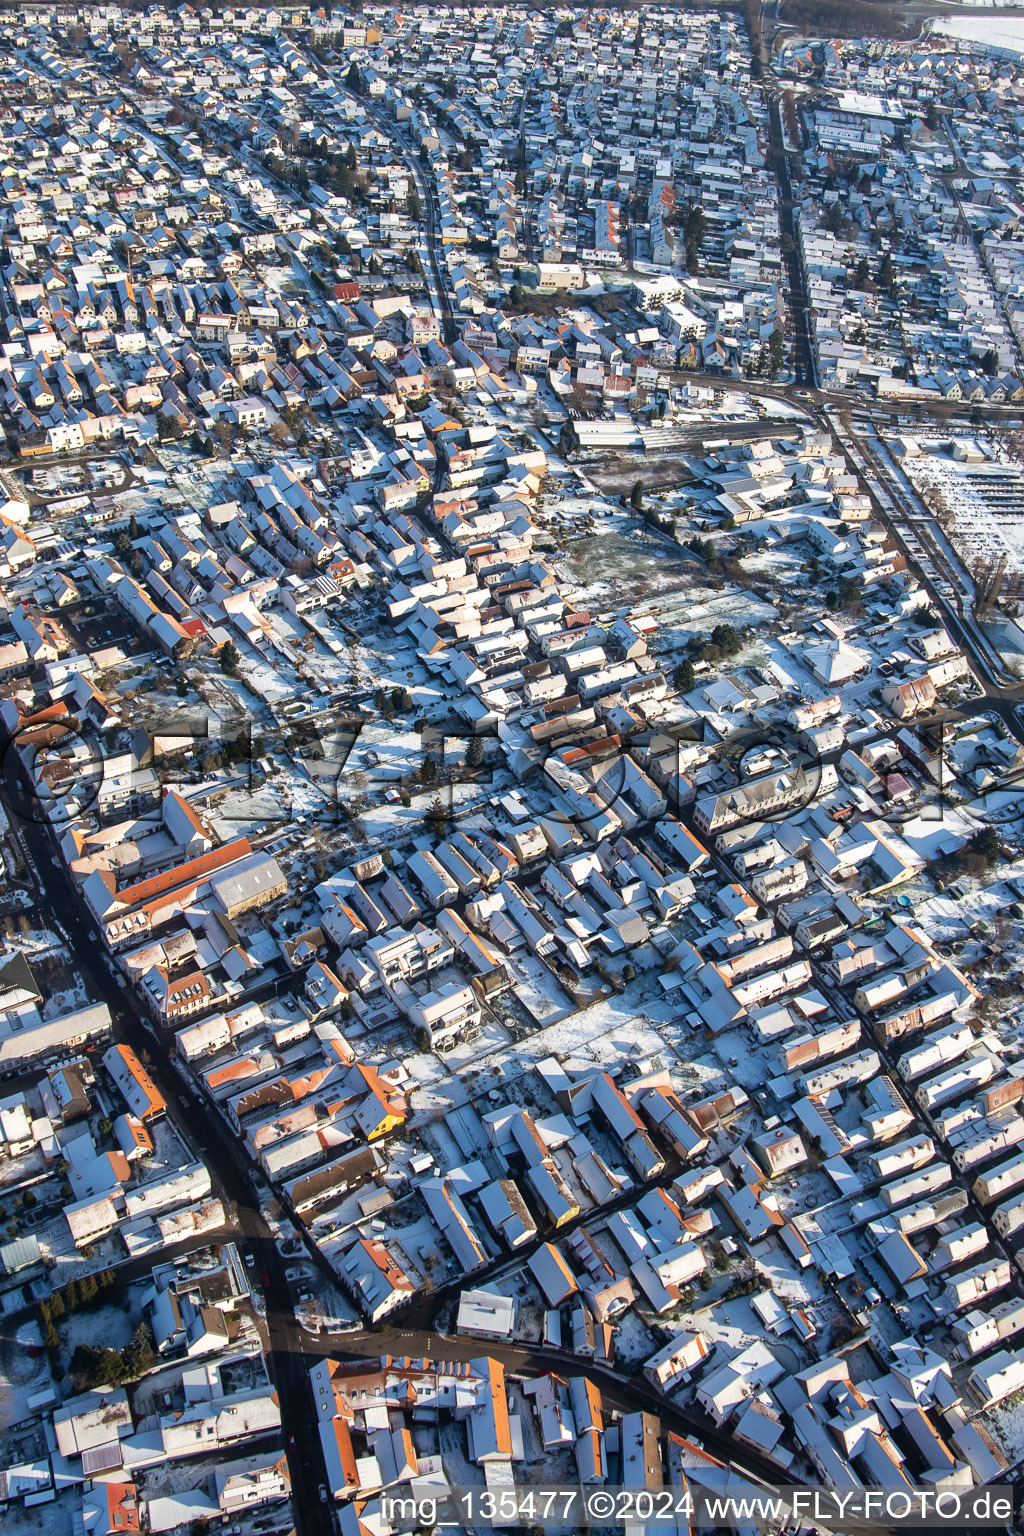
{"points": [[805, 367], [288, 1366]]}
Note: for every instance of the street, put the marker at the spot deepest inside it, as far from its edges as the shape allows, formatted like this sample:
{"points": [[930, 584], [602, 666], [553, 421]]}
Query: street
{"points": [[206, 1131]]}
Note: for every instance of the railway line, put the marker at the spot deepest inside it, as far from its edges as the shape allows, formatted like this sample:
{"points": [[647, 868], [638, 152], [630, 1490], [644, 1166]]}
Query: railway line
{"points": [[910, 526]]}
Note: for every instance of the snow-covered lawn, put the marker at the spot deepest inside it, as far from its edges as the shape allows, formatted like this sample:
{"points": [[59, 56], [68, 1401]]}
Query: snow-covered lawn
{"points": [[105, 1328], [21, 1375], [537, 989], [1005, 1423], [65, 1000], [608, 1032]]}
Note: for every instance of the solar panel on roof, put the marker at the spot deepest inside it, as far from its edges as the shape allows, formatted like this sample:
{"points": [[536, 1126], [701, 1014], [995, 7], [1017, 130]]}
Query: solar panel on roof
{"points": [[102, 1458]]}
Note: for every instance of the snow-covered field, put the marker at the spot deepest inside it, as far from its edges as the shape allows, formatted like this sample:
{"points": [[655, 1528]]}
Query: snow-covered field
{"points": [[995, 29]]}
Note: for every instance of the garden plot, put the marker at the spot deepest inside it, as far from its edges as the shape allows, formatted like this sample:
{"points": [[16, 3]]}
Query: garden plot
{"points": [[1005, 1423], [32, 942], [1000, 806], [490, 1037], [102, 1328], [388, 822], [749, 1065], [654, 473], [634, 569], [57, 1244], [626, 562], [945, 919], [634, 1341], [241, 813], [572, 507], [426, 1073], [537, 990], [609, 1032], [385, 752], [64, 1000]]}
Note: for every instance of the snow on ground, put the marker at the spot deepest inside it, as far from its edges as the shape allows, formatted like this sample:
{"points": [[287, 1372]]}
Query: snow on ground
{"points": [[735, 1325], [105, 1328], [582, 506], [634, 1341], [386, 822], [21, 1375], [421, 1246], [944, 918], [1005, 1423], [239, 813], [276, 687], [937, 829], [537, 989], [424, 1068], [386, 751], [628, 569], [994, 31], [488, 1039], [65, 1001], [330, 1309], [772, 407], [54, 1519], [1000, 805], [36, 941], [609, 1031]]}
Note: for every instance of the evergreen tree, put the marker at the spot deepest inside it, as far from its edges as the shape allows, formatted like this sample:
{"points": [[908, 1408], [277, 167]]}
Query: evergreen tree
{"points": [[229, 658], [776, 354], [684, 676], [140, 1353], [437, 818]]}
